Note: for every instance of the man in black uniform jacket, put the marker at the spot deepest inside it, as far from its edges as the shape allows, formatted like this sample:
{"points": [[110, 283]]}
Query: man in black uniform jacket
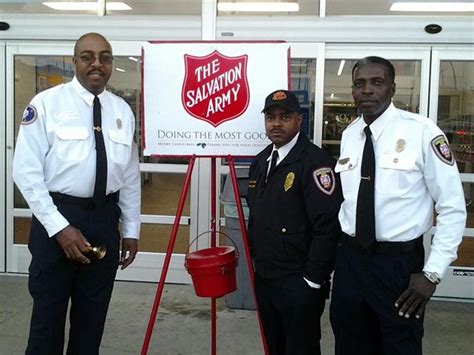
{"points": [[294, 198]]}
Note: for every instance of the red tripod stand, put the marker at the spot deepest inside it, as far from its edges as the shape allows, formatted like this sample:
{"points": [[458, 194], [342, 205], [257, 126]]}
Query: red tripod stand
{"points": [[169, 251]]}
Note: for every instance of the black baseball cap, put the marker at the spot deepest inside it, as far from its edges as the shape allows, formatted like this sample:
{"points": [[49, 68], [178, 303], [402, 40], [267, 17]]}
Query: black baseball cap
{"points": [[283, 98]]}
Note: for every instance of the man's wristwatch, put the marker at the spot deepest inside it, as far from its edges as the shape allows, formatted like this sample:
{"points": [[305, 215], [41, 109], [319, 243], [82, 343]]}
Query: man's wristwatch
{"points": [[432, 277]]}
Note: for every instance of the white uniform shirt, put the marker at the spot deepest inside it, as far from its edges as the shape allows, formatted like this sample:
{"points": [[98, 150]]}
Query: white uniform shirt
{"points": [[55, 152], [409, 175]]}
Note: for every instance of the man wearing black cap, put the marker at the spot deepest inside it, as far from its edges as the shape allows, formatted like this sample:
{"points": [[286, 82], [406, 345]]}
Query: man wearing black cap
{"points": [[294, 198]]}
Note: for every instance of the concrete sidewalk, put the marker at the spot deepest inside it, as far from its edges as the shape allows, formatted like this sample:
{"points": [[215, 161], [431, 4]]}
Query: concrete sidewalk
{"points": [[183, 323]]}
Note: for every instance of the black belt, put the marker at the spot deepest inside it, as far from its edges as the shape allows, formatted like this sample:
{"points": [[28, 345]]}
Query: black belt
{"points": [[85, 202], [385, 247]]}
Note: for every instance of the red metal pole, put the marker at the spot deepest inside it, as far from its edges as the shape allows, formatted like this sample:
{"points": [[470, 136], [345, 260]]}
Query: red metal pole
{"points": [[243, 229], [213, 244], [169, 251], [213, 326], [213, 202]]}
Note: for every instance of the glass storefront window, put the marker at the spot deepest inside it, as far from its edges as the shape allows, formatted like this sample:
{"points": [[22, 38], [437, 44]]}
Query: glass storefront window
{"points": [[303, 8], [339, 110], [465, 253], [469, 196], [456, 110], [358, 7], [161, 192], [303, 74], [373, 7], [154, 238], [33, 74], [136, 8], [455, 117], [466, 249], [22, 230], [194, 8]]}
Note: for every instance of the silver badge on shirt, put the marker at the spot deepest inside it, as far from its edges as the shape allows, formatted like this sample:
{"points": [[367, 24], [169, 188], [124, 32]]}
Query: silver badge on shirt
{"points": [[401, 143]]}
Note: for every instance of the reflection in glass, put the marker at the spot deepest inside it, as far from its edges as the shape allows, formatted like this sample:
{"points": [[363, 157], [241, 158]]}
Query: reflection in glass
{"points": [[455, 115], [469, 196], [465, 253], [456, 110], [34, 74], [303, 74], [155, 238], [339, 110], [161, 192], [21, 230]]}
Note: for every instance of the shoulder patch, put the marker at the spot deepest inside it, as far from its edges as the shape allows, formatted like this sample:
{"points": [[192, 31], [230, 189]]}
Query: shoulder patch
{"points": [[324, 180], [29, 115], [442, 150]]}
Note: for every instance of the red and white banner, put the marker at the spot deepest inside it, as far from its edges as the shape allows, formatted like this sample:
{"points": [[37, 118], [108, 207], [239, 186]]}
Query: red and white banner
{"points": [[206, 98]]}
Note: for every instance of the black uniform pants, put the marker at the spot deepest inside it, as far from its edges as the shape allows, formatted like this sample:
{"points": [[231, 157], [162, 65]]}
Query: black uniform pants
{"points": [[54, 280], [366, 285], [290, 311]]}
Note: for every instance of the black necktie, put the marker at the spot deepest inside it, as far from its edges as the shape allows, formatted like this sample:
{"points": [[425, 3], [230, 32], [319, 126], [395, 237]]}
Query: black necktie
{"points": [[101, 157], [273, 163], [365, 214]]}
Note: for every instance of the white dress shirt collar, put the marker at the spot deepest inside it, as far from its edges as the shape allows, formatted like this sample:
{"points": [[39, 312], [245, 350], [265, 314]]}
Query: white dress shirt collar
{"points": [[85, 94], [284, 150], [379, 124]]}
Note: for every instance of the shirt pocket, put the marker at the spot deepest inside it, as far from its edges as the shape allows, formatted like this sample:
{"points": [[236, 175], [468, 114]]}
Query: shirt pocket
{"points": [[346, 166], [120, 144], [72, 143], [397, 174]]}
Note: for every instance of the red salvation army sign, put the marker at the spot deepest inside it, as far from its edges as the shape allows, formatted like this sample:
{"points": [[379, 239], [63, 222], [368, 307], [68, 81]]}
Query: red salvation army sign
{"points": [[206, 98], [215, 87]]}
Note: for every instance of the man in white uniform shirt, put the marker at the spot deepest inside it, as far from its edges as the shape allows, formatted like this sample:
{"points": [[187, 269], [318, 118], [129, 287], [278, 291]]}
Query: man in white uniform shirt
{"points": [[57, 157], [382, 282]]}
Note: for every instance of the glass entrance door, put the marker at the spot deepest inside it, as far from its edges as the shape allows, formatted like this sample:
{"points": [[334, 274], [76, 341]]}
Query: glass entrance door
{"points": [[411, 75], [35, 67], [448, 99], [452, 108]]}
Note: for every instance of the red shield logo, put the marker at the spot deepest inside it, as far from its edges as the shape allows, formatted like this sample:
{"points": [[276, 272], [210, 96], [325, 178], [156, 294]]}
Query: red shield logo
{"points": [[215, 87]]}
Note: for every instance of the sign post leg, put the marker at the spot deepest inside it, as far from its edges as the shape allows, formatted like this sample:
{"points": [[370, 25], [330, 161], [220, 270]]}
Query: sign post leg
{"points": [[213, 244], [169, 251]]}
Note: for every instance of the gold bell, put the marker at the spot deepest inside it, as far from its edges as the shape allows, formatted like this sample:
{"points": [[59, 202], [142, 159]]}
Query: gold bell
{"points": [[99, 252]]}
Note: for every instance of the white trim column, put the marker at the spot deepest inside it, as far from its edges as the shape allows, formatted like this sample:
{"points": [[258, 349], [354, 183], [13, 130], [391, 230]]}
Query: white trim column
{"points": [[3, 120]]}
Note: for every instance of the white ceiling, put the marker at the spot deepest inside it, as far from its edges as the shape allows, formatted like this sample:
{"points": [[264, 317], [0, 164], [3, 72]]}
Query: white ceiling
{"points": [[193, 7]]}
